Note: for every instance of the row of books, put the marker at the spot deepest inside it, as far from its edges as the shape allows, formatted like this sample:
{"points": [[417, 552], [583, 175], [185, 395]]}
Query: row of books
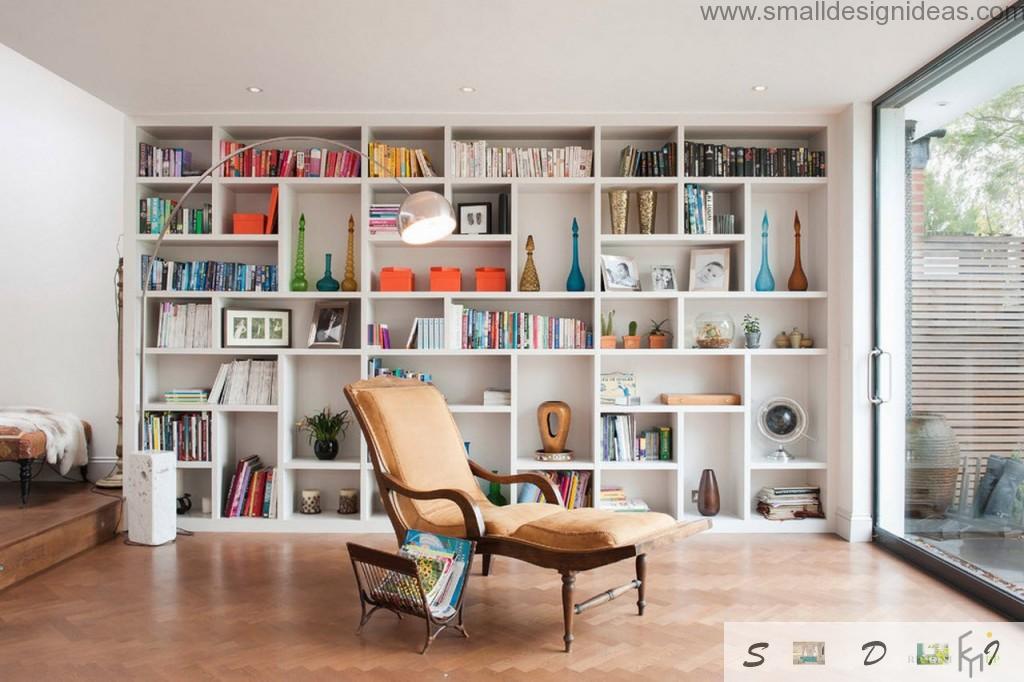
{"points": [[442, 563], [427, 333], [185, 433], [467, 328], [153, 213], [245, 382], [574, 487], [622, 441], [613, 498], [186, 396], [646, 164], [384, 218], [376, 368], [164, 162], [720, 160], [288, 163], [782, 503], [699, 213], [402, 162], [252, 491], [378, 335], [208, 275], [479, 160], [184, 325]]}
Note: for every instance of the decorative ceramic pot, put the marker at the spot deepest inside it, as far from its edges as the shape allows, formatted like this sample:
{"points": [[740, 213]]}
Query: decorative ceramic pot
{"points": [[658, 340], [933, 461], [609, 341], [807, 342], [782, 340], [753, 339], [714, 330], [325, 449], [348, 501], [795, 337], [618, 205], [709, 502], [648, 203], [310, 502], [630, 341]]}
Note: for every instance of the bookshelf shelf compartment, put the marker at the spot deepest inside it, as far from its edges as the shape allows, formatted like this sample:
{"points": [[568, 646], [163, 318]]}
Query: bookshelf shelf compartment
{"points": [[501, 437]]}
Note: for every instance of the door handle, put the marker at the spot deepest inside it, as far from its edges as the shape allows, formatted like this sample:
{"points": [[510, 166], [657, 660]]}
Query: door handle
{"points": [[873, 397]]}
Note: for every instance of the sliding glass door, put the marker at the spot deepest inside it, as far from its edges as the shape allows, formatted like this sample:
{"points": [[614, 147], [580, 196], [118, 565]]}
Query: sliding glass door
{"points": [[948, 369]]}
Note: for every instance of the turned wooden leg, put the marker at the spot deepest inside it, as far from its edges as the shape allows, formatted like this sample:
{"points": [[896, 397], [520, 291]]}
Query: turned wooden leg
{"points": [[26, 479], [568, 608], [641, 576], [487, 564]]}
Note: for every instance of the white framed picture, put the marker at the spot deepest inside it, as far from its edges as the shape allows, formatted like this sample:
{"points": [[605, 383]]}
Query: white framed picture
{"points": [[475, 218], [257, 328], [664, 277], [620, 273], [709, 269], [327, 330]]}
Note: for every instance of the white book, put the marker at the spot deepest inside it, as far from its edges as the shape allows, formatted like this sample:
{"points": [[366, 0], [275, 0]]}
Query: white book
{"points": [[413, 333], [218, 384]]}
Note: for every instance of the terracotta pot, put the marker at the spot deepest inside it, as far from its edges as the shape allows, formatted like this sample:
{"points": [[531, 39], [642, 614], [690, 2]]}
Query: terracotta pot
{"points": [[631, 341], [656, 341], [609, 341], [708, 501]]}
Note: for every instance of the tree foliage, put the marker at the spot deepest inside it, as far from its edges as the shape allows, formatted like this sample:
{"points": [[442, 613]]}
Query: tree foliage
{"points": [[974, 182]]}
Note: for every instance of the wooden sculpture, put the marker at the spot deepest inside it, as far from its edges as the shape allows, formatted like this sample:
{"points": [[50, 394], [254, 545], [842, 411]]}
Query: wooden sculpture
{"points": [[553, 438], [797, 280], [349, 283], [529, 281]]}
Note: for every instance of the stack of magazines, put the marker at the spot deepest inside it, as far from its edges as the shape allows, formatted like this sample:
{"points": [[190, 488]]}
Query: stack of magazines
{"points": [[441, 565], [781, 503]]}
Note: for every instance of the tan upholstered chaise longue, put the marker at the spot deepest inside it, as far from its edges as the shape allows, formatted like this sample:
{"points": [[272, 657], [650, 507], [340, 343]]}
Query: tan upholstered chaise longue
{"points": [[427, 482]]}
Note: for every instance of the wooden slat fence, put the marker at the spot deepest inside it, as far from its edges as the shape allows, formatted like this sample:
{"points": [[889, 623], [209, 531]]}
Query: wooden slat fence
{"points": [[967, 338]]}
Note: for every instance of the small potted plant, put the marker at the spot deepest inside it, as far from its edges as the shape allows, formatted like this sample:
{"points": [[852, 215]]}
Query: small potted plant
{"points": [[752, 330], [608, 339], [658, 337], [322, 429], [631, 340]]}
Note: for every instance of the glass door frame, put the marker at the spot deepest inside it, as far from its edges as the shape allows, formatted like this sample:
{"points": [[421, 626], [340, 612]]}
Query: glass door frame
{"points": [[984, 39]]}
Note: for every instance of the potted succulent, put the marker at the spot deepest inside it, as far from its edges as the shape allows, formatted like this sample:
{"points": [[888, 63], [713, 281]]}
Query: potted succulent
{"points": [[752, 330], [322, 429], [631, 340], [608, 339], [658, 337]]}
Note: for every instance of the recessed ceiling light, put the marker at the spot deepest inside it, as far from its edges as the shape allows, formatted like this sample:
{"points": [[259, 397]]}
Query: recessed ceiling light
{"points": [[467, 88], [759, 88], [942, 103], [254, 89]]}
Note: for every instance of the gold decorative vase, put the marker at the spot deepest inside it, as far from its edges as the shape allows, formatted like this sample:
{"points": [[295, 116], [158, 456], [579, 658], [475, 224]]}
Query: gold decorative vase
{"points": [[648, 203], [618, 204]]}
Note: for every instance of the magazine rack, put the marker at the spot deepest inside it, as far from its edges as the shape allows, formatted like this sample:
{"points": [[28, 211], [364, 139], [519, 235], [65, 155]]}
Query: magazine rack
{"points": [[373, 568]]}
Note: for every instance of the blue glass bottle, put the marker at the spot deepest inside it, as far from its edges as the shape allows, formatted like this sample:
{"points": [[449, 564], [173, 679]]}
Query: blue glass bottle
{"points": [[764, 281], [327, 282], [575, 281]]}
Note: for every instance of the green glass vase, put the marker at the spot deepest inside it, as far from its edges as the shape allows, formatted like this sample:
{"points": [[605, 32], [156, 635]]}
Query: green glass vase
{"points": [[494, 494], [299, 282], [327, 283]]}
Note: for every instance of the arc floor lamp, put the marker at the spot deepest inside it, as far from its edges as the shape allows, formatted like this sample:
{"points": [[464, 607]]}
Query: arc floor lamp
{"points": [[423, 217]]}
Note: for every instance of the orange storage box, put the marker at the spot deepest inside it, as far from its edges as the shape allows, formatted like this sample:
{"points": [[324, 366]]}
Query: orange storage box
{"points": [[445, 279], [490, 279], [248, 223], [396, 279]]}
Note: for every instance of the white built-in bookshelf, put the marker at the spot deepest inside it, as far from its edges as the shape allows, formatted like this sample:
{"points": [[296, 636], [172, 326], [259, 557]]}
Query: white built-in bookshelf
{"points": [[724, 438]]}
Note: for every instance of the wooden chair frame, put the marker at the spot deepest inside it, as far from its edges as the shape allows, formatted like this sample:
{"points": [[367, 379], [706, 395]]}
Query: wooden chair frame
{"points": [[567, 562]]}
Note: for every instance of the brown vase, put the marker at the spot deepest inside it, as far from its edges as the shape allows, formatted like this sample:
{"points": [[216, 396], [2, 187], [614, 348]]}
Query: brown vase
{"points": [[797, 279], [708, 501], [657, 341]]}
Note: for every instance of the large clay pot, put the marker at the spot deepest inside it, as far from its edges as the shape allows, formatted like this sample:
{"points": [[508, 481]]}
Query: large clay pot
{"points": [[933, 460], [708, 501]]}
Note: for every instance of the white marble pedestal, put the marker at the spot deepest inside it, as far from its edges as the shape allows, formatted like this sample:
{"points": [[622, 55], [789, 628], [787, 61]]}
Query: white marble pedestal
{"points": [[150, 507]]}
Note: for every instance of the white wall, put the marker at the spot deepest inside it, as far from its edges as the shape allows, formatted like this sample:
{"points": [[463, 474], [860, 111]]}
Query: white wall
{"points": [[61, 213]]}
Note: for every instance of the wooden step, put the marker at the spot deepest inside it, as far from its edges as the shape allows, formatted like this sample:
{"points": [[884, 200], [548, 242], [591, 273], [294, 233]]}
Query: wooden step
{"points": [[60, 521]]}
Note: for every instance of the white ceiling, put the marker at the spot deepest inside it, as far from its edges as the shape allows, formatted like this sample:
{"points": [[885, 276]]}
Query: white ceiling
{"points": [[175, 56]]}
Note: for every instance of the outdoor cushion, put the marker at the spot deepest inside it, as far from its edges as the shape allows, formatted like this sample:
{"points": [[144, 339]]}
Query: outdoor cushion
{"points": [[993, 470], [1000, 503]]}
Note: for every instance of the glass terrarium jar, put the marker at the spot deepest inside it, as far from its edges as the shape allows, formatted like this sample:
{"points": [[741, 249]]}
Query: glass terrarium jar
{"points": [[714, 330]]}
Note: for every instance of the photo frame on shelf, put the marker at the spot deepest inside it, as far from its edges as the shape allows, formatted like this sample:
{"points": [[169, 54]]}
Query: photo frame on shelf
{"points": [[619, 273], [475, 218], [327, 329], [247, 328], [709, 269], [664, 278]]}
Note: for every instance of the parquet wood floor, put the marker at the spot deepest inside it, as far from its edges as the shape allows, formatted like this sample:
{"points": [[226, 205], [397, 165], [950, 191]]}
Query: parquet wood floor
{"points": [[254, 607]]}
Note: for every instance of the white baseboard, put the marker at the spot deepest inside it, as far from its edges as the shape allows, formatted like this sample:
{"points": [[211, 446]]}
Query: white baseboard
{"points": [[853, 527]]}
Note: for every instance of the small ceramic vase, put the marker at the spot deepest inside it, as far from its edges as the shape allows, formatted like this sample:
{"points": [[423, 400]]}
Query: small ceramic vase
{"points": [[310, 502]]}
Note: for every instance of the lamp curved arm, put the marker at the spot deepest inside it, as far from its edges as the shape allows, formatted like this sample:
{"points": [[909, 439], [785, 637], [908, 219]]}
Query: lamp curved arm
{"points": [[173, 215]]}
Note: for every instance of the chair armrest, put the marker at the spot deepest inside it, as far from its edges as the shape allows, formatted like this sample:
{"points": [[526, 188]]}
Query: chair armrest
{"points": [[471, 515], [542, 482]]}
